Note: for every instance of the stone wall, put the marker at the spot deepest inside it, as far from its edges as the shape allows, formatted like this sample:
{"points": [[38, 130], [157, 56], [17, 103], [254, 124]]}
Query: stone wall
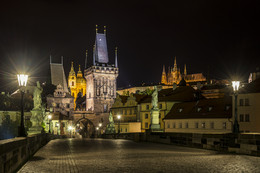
{"points": [[15, 152], [240, 143]]}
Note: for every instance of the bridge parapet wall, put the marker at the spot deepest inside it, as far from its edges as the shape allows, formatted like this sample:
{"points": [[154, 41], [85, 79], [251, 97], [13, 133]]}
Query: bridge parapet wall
{"points": [[235, 143], [15, 152]]}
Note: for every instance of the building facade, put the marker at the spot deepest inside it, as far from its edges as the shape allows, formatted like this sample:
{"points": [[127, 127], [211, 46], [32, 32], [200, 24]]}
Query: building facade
{"points": [[174, 75], [101, 78], [166, 99], [203, 116]]}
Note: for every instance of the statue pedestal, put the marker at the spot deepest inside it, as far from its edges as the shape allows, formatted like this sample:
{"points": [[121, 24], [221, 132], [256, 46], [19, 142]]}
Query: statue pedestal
{"points": [[36, 119], [110, 129], [155, 121]]}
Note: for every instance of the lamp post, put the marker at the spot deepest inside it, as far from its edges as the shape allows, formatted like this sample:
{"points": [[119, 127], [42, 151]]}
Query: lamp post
{"points": [[70, 128], [22, 80], [118, 117], [49, 117], [100, 126], [235, 85], [97, 130], [57, 125]]}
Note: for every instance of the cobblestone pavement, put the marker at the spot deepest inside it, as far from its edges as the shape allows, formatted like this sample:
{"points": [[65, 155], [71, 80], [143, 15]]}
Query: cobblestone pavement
{"points": [[108, 155]]}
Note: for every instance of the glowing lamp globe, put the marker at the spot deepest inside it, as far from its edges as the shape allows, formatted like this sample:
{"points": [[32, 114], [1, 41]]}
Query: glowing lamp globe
{"points": [[235, 85], [22, 79]]}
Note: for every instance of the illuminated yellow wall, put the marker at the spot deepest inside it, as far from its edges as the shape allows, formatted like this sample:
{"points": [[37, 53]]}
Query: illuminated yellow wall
{"points": [[76, 83]]}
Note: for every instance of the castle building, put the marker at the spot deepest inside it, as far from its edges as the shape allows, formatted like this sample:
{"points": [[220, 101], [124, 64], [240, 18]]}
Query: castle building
{"points": [[174, 75], [77, 84], [101, 78]]}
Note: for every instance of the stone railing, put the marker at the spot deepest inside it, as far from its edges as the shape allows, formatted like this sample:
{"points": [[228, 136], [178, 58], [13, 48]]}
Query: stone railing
{"points": [[15, 152], [234, 143]]}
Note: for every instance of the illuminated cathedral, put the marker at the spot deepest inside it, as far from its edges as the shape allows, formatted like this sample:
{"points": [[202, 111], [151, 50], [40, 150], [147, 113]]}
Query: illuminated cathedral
{"points": [[174, 75], [77, 83]]}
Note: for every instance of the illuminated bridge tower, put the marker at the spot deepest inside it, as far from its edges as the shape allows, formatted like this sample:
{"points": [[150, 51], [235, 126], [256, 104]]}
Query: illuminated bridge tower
{"points": [[101, 78]]}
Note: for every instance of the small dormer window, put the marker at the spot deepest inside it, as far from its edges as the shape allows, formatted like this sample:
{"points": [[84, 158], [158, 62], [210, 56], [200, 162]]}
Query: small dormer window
{"points": [[180, 110], [198, 109], [227, 107], [210, 108]]}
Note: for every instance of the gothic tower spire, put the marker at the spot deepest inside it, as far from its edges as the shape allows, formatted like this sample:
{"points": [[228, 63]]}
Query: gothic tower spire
{"points": [[164, 77], [185, 70], [175, 64], [86, 59], [116, 65]]}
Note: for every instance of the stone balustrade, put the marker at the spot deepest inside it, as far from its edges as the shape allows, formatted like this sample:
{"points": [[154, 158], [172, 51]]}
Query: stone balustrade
{"points": [[15, 152]]}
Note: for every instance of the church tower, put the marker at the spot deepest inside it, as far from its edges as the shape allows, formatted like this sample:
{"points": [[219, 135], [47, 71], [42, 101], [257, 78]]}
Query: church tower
{"points": [[101, 78], [81, 83], [164, 78], [72, 82]]}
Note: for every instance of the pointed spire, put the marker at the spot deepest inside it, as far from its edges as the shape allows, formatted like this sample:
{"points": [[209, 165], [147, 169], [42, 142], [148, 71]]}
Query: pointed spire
{"points": [[86, 58], [79, 74], [175, 64], [164, 77], [96, 28], [94, 62], [163, 68], [185, 70], [105, 29], [72, 72], [116, 64]]}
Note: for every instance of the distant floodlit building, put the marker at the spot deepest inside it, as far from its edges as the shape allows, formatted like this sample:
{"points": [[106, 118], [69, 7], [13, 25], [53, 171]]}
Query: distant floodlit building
{"points": [[174, 75]]}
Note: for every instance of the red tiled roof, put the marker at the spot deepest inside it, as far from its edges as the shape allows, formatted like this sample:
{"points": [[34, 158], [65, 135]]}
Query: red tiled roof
{"points": [[220, 108]]}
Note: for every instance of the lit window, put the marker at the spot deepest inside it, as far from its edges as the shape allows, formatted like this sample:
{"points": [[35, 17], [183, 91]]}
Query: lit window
{"points": [[180, 125], [187, 125], [72, 83], [198, 109], [210, 108], [168, 125], [224, 125], [180, 110], [173, 125], [203, 125]]}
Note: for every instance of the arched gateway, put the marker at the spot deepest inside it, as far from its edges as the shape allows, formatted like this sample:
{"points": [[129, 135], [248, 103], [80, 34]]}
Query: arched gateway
{"points": [[85, 127]]}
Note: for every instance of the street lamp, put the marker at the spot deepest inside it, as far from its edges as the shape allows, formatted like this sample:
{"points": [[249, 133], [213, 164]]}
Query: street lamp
{"points": [[235, 85], [70, 128], [22, 81], [57, 125], [49, 117], [118, 117]]}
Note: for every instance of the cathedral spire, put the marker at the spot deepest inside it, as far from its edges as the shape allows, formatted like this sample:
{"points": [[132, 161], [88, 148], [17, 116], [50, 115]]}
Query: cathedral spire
{"points": [[164, 77], [94, 60], [72, 72], [175, 64], [86, 59], [185, 70], [116, 64], [79, 74]]}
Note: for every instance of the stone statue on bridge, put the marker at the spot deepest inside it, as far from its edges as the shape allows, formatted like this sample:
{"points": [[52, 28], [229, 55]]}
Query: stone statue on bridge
{"points": [[37, 98], [38, 111], [110, 129]]}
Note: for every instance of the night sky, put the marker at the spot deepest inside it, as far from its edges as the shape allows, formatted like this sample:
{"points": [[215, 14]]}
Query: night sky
{"points": [[219, 38]]}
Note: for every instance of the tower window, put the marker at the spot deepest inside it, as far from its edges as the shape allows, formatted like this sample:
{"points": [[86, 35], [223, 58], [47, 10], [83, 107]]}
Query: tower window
{"points": [[72, 83], [72, 78]]}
